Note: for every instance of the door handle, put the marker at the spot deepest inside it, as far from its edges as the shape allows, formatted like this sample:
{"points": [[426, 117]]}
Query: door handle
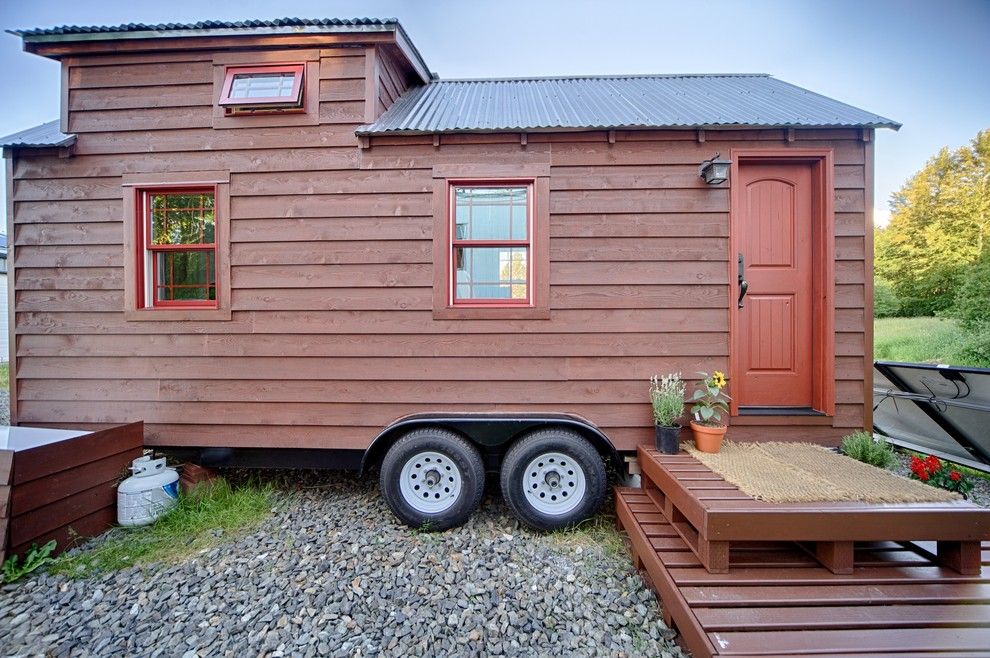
{"points": [[743, 284]]}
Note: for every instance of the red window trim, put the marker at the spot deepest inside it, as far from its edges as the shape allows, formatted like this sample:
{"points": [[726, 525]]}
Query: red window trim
{"points": [[529, 243], [293, 102], [141, 255]]}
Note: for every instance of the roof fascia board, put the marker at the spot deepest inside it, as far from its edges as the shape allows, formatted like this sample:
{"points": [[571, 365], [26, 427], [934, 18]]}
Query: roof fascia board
{"points": [[369, 130], [57, 46], [205, 32]]}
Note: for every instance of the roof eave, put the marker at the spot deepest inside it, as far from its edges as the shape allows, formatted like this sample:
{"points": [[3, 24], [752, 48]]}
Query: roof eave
{"points": [[70, 140], [369, 130], [36, 43]]}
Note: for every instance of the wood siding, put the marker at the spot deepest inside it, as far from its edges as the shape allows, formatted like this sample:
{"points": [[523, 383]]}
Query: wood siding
{"points": [[63, 490], [332, 334]]}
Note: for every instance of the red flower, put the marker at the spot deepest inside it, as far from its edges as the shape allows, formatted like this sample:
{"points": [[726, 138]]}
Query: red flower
{"points": [[933, 464], [923, 476], [955, 476]]}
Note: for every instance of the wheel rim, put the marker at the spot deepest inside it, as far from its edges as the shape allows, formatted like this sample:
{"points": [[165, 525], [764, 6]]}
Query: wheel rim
{"points": [[554, 483], [430, 482]]}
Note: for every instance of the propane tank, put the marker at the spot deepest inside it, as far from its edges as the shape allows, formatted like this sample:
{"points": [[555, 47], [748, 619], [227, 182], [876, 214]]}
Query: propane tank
{"points": [[152, 490]]}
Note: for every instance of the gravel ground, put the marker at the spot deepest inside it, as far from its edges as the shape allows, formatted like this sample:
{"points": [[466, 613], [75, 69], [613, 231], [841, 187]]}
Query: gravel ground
{"points": [[332, 573], [4, 407], [981, 489]]}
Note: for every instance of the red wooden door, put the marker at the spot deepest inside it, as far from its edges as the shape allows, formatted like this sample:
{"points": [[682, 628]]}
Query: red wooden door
{"points": [[774, 331]]}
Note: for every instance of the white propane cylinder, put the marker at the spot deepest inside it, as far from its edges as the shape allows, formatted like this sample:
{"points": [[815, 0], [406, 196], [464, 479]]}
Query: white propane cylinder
{"points": [[148, 494]]}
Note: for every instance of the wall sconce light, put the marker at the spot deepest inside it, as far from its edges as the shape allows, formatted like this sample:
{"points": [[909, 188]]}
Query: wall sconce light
{"points": [[715, 170]]}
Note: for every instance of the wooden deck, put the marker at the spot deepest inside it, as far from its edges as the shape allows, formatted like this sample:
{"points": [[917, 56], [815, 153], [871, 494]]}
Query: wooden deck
{"points": [[781, 597]]}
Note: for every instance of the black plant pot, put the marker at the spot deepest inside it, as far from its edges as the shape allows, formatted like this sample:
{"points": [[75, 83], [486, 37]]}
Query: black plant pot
{"points": [[668, 439]]}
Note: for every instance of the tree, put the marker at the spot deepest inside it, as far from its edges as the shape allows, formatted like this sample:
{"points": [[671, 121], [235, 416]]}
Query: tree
{"points": [[940, 225]]}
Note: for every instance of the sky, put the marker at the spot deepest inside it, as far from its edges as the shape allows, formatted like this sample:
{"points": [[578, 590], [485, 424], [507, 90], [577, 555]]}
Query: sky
{"points": [[924, 64]]}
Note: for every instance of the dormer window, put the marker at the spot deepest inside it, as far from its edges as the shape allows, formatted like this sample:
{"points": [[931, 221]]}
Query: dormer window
{"points": [[263, 89]]}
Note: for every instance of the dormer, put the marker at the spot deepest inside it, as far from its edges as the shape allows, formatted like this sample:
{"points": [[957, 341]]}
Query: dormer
{"points": [[278, 73]]}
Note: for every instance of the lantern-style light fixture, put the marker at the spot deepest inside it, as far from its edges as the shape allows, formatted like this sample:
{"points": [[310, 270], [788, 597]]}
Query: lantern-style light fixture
{"points": [[715, 170]]}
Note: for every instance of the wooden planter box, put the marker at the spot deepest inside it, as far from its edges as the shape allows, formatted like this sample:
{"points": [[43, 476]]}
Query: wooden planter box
{"points": [[61, 484]]}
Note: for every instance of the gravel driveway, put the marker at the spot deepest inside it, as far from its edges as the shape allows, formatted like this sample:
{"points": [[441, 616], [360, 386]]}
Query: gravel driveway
{"points": [[332, 573]]}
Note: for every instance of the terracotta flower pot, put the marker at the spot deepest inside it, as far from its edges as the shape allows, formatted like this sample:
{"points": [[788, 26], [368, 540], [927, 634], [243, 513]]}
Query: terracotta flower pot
{"points": [[707, 439]]}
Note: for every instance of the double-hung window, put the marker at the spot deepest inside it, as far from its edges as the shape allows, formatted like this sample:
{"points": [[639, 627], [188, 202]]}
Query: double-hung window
{"points": [[491, 241], [178, 261]]}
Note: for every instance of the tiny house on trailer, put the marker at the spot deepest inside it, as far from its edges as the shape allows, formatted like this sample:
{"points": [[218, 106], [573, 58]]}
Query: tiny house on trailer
{"points": [[288, 242]]}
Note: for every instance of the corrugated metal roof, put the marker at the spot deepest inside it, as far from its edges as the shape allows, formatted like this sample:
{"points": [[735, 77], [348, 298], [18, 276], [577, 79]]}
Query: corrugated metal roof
{"points": [[616, 102], [282, 26], [246, 25], [45, 135]]}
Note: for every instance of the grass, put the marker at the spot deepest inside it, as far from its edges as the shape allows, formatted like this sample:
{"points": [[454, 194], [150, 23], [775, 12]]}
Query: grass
{"points": [[201, 520], [598, 531], [917, 340], [4, 375]]}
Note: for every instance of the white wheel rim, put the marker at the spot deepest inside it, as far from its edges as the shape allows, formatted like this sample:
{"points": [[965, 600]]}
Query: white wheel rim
{"points": [[430, 482], [554, 483]]}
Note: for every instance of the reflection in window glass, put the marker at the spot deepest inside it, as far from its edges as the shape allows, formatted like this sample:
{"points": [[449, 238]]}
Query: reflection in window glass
{"points": [[491, 272], [491, 244], [491, 213], [263, 85]]}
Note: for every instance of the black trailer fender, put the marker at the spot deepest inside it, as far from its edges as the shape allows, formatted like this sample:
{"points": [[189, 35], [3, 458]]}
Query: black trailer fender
{"points": [[491, 432]]}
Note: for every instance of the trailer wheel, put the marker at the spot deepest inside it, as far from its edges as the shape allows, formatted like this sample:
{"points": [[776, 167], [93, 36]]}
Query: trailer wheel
{"points": [[432, 479], [552, 479]]}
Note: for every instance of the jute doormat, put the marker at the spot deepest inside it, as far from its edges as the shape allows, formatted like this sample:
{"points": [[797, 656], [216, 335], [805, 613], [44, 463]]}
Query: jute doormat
{"points": [[807, 473]]}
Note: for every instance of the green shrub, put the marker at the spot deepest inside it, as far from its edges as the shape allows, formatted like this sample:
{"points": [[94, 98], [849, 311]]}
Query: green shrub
{"points": [[885, 302], [667, 396], [971, 309], [863, 447]]}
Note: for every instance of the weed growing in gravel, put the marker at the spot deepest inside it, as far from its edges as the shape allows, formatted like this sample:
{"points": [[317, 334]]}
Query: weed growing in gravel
{"points": [[599, 531], [199, 521]]}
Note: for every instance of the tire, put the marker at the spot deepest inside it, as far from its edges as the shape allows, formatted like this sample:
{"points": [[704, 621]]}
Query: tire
{"points": [[441, 466], [552, 479]]}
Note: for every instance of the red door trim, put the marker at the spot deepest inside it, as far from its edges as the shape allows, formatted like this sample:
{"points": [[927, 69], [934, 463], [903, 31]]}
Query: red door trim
{"points": [[823, 265]]}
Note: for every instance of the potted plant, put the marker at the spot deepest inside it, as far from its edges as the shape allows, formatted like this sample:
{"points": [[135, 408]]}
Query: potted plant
{"points": [[709, 405], [667, 396]]}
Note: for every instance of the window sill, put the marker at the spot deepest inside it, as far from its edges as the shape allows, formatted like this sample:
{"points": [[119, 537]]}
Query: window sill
{"points": [[176, 314], [496, 313]]}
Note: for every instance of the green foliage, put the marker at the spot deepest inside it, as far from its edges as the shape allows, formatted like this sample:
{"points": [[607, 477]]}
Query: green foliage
{"points": [[709, 400], [972, 310], [35, 557], [667, 397], [199, 520], [940, 225], [885, 302], [918, 340], [938, 473], [863, 447]]}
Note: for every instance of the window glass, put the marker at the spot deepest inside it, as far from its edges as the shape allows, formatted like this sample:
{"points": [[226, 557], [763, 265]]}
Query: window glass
{"points": [[491, 272], [263, 85], [491, 213], [185, 276], [182, 219]]}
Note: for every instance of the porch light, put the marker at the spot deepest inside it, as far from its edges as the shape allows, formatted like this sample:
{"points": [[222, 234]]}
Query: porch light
{"points": [[715, 170]]}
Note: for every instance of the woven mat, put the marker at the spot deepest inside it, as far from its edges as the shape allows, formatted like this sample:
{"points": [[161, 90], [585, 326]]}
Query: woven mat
{"points": [[806, 473]]}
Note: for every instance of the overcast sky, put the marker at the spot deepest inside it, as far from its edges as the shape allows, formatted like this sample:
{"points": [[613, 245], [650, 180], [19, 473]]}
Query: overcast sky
{"points": [[925, 64]]}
